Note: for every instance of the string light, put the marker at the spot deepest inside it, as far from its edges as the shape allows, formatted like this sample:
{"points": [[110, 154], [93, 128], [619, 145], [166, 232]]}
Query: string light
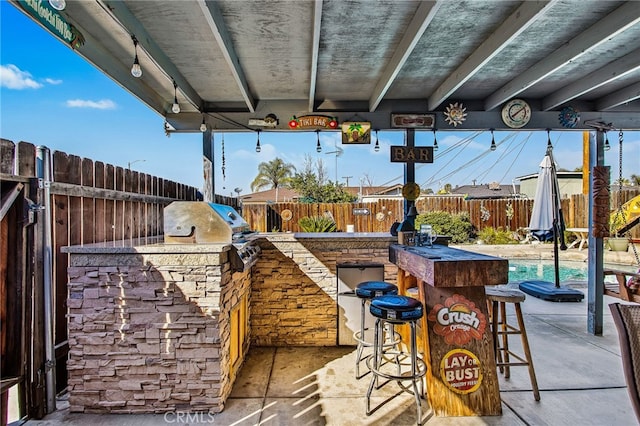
{"points": [[493, 141], [203, 126], [318, 146], [377, 147], [258, 149], [435, 141], [549, 145], [136, 71], [606, 147], [176, 106]]}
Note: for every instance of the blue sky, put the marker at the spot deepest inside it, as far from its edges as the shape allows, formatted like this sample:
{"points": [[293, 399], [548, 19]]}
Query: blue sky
{"points": [[51, 96]]}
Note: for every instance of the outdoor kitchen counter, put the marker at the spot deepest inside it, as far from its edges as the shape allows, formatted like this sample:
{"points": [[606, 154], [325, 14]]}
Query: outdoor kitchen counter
{"points": [[456, 339]]}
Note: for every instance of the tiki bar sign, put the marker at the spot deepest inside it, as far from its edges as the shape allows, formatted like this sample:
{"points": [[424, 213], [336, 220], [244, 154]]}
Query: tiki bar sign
{"points": [[414, 154], [315, 122]]}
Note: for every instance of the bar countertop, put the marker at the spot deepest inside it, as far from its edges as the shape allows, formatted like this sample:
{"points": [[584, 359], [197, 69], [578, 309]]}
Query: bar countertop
{"points": [[443, 266]]}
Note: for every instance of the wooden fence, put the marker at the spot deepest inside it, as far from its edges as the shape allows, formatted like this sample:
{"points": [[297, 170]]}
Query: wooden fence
{"points": [[511, 214], [91, 202]]}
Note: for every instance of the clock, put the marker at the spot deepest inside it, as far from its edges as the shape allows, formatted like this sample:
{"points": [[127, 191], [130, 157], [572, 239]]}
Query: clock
{"points": [[516, 113], [411, 191]]}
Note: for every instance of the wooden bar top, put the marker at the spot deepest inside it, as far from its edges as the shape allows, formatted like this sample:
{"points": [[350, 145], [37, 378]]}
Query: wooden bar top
{"points": [[443, 266]]}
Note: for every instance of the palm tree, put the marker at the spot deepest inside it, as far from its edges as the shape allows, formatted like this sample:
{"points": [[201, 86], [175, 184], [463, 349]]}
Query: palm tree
{"points": [[635, 180], [275, 173]]}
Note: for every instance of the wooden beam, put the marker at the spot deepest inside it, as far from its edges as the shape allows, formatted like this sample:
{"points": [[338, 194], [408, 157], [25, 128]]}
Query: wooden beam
{"points": [[512, 27], [123, 15], [213, 16], [315, 49], [622, 96], [424, 15], [611, 25], [611, 72]]}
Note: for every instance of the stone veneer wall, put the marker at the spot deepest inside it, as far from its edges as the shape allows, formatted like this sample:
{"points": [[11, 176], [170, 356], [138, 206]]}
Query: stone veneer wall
{"points": [[149, 332], [294, 289]]}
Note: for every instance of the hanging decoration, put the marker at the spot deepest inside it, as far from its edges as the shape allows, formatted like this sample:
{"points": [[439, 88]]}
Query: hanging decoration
{"points": [[569, 117], [484, 212], [356, 132], [455, 114], [224, 176]]}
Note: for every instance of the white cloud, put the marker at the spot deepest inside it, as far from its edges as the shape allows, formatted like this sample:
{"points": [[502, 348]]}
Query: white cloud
{"points": [[13, 77], [53, 81], [101, 104]]}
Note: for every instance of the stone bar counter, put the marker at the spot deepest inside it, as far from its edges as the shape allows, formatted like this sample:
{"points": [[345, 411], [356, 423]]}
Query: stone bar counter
{"points": [[456, 339], [157, 327]]}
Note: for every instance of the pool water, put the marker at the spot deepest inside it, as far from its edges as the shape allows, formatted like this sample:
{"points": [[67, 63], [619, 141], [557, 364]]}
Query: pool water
{"points": [[523, 270]]}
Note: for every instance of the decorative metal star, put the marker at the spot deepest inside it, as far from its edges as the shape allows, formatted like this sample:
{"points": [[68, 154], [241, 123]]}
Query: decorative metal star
{"points": [[455, 114]]}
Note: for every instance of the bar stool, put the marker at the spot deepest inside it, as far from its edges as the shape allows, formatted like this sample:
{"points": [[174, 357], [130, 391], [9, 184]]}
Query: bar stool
{"points": [[396, 310], [366, 291], [498, 298]]}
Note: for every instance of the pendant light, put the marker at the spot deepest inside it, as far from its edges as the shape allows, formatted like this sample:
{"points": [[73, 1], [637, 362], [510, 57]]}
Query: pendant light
{"points": [[606, 146], [136, 71], [493, 141], [549, 145], [377, 147], [318, 146], [435, 141], [176, 106], [258, 148]]}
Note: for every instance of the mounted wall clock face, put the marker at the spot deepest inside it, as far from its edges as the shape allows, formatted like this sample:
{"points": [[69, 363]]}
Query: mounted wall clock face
{"points": [[516, 113]]}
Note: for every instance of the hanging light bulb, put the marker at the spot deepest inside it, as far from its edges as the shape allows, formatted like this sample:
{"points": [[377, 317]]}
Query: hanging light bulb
{"points": [[435, 141], [203, 126], [176, 106], [606, 147], [258, 149], [136, 71], [493, 142], [58, 4], [377, 147], [318, 146], [549, 145]]}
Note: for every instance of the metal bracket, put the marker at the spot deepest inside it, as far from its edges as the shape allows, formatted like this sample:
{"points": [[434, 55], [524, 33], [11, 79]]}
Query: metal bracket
{"points": [[599, 125]]}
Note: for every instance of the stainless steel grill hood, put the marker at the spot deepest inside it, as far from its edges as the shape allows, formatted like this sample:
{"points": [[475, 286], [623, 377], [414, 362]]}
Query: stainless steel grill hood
{"points": [[192, 222]]}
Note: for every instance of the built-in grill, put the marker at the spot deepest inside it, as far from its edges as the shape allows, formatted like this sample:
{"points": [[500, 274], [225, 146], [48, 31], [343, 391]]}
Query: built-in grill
{"points": [[199, 222]]}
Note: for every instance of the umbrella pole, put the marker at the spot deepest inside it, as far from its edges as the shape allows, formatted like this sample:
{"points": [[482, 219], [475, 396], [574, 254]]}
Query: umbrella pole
{"points": [[556, 261]]}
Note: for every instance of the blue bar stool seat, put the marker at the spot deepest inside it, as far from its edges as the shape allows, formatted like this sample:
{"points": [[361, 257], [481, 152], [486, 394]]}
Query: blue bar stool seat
{"points": [[366, 291], [396, 310]]}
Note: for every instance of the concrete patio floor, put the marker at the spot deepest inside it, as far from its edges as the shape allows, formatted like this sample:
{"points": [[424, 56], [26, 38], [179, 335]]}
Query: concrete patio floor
{"points": [[580, 378], [579, 375]]}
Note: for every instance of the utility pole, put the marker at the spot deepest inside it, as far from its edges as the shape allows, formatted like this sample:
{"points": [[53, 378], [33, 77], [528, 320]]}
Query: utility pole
{"points": [[347, 178]]}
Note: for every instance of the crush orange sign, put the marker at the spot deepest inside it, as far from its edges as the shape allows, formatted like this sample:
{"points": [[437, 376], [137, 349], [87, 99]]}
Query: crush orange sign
{"points": [[458, 320]]}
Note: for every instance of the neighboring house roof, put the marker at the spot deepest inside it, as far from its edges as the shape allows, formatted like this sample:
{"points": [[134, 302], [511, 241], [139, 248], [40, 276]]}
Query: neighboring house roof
{"points": [[491, 190], [561, 175], [281, 195], [289, 195]]}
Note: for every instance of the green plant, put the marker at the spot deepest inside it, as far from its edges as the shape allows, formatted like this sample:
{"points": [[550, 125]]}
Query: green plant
{"points": [[317, 224], [457, 226], [500, 235]]}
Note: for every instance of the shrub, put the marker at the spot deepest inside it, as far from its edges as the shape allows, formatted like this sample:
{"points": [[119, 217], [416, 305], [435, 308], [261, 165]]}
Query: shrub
{"points": [[458, 226], [491, 235], [317, 224]]}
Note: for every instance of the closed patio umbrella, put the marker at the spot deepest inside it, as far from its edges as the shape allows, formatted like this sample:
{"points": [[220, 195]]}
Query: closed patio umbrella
{"points": [[547, 223]]}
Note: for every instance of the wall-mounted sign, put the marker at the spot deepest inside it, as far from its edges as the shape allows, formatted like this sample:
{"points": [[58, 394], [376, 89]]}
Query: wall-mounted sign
{"points": [[415, 154], [413, 121], [458, 320], [460, 371], [315, 122], [356, 132], [53, 21], [269, 121], [360, 212]]}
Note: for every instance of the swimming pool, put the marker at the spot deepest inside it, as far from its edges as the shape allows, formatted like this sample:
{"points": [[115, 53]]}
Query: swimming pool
{"points": [[522, 270]]}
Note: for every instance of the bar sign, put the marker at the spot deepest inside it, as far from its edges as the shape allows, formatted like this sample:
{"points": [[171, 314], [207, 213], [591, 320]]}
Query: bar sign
{"points": [[415, 154]]}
